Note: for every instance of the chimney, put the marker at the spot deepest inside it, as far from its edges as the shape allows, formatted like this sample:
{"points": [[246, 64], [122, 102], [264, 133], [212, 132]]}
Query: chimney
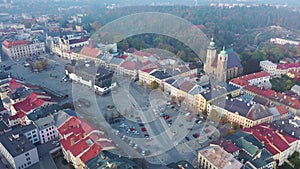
{"points": [[91, 43], [72, 141]]}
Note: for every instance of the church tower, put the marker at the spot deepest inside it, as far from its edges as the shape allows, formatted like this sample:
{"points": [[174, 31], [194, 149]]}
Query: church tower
{"points": [[210, 57], [222, 66]]}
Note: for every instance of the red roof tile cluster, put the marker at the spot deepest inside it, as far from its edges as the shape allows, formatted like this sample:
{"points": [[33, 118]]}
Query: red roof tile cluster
{"points": [[82, 140], [74, 41], [274, 141], [90, 51], [129, 65], [140, 53], [274, 96], [260, 91], [186, 86], [32, 102], [123, 57], [15, 43], [148, 70], [13, 85], [18, 115], [227, 145], [244, 80], [288, 65], [295, 72], [282, 110]]}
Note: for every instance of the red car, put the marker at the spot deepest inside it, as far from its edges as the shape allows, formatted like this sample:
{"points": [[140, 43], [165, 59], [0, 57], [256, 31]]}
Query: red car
{"points": [[143, 129], [166, 117], [196, 135], [132, 129]]}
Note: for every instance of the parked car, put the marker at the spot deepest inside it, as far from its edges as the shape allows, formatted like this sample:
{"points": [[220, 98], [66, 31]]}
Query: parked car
{"points": [[143, 129], [166, 117]]}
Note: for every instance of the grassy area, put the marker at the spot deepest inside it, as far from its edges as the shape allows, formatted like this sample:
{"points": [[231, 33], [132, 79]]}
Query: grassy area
{"points": [[285, 166], [283, 84], [294, 159]]}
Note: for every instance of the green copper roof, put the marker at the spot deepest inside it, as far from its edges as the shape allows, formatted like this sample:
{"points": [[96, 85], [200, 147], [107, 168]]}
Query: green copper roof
{"points": [[223, 52], [244, 144], [212, 43]]}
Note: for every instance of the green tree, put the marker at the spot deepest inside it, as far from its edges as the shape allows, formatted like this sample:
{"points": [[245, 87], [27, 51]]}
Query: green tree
{"points": [[154, 85]]}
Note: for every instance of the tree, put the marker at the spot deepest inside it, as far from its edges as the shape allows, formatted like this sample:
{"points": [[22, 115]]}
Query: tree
{"points": [[205, 113], [142, 83], [224, 120], [154, 85], [235, 125], [214, 115]]}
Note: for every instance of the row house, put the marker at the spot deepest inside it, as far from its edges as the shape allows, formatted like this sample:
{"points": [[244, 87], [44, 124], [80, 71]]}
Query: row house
{"points": [[279, 144], [254, 79], [248, 150], [80, 142], [240, 112], [215, 156], [20, 48], [277, 70]]}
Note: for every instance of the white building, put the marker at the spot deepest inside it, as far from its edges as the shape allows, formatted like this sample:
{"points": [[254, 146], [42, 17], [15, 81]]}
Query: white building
{"points": [[47, 129], [269, 67], [18, 150], [19, 48], [280, 41]]}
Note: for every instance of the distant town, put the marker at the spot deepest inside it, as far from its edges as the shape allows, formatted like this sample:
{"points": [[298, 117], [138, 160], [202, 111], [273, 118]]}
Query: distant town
{"points": [[69, 101]]}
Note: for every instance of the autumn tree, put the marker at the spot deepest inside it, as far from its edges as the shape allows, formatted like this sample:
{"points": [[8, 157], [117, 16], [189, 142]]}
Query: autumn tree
{"points": [[154, 85]]}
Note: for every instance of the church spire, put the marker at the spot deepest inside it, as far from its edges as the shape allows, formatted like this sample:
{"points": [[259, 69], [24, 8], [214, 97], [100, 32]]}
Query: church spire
{"points": [[212, 43]]}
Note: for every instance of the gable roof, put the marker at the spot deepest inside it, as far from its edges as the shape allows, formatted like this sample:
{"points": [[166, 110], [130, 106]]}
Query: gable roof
{"points": [[187, 86], [90, 51], [11, 44]]}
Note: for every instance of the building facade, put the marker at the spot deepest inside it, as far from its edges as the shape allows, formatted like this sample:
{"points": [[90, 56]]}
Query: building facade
{"points": [[223, 66], [214, 157], [19, 48]]}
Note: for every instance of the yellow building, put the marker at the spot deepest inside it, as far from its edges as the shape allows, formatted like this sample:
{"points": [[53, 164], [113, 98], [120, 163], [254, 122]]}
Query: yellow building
{"points": [[244, 114], [202, 100]]}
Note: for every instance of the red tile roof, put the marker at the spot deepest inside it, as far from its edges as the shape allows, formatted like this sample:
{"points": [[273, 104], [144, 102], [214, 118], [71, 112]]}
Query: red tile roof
{"points": [[273, 140], [140, 53], [227, 145], [288, 65], [259, 91], [81, 139], [148, 70], [123, 56], [282, 109], [13, 85], [129, 65], [74, 125], [74, 41], [92, 152], [90, 51], [244, 80], [186, 86], [18, 115], [15, 43], [32, 102], [255, 75]]}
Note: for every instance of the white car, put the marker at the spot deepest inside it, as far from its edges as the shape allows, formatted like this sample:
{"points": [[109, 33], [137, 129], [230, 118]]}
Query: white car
{"points": [[187, 114]]}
